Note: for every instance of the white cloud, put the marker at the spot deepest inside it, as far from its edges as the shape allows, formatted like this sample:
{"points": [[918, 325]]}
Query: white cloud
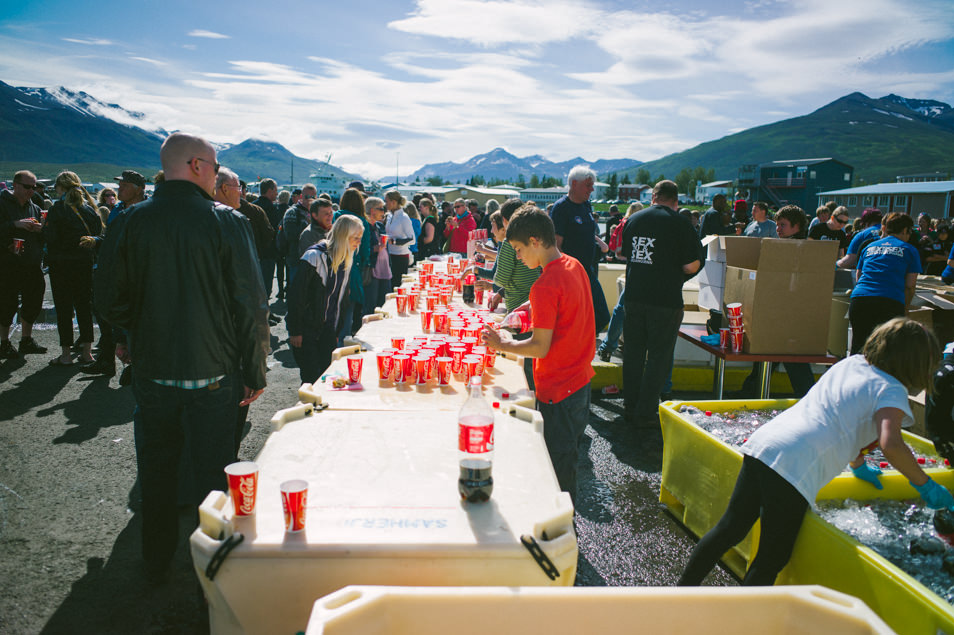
{"points": [[212, 35], [147, 60], [88, 41]]}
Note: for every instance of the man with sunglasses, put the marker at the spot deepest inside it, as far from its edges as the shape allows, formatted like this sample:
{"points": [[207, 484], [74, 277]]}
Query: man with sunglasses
{"points": [[296, 219], [186, 286], [832, 229], [21, 252]]}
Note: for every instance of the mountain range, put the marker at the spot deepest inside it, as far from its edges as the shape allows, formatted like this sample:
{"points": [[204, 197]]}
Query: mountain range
{"points": [[881, 138], [500, 164]]}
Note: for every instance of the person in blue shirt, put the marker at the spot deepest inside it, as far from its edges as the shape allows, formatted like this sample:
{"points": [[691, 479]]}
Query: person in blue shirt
{"points": [[887, 272], [871, 222]]}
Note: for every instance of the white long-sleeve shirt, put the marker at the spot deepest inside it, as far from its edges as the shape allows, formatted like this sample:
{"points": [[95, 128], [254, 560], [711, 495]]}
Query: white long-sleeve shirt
{"points": [[399, 227]]}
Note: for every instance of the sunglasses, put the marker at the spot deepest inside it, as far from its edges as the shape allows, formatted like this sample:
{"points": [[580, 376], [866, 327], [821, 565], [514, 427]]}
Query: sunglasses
{"points": [[215, 166], [841, 220], [25, 186]]}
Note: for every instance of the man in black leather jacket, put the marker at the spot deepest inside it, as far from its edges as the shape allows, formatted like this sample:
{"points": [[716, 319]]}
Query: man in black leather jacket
{"points": [[187, 287]]}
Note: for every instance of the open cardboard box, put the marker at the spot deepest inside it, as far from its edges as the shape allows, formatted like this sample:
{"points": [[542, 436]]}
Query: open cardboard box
{"points": [[785, 288]]}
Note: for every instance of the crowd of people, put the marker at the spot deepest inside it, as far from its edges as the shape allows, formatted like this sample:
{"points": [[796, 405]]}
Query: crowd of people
{"points": [[180, 284]]}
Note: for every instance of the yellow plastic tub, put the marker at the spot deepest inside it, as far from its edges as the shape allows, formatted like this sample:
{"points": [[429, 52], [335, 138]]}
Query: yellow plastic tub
{"points": [[607, 611], [699, 473]]}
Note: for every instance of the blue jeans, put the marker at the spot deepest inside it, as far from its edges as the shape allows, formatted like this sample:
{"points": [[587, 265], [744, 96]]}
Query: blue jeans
{"points": [[170, 419], [615, 326], [563, 425]]}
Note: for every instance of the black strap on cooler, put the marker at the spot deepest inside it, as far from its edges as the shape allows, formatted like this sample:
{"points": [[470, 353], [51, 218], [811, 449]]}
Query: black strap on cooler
{"points": [[545, 563], [220, 554]]}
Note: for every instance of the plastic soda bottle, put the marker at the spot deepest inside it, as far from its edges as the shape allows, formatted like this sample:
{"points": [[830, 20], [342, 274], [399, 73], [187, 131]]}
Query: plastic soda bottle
{"points": [[517, 320], [468, 289], [476, 446]]}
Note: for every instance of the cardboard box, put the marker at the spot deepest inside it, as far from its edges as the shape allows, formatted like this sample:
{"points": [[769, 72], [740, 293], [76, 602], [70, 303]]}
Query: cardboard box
{"points": [[710, 298], [712, 274], [715, 248], [785, 287], [838, 327]]}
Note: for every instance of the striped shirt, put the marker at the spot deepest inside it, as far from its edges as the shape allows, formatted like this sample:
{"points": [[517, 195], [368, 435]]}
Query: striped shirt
{"points": [[189, 384], [514, 276]]}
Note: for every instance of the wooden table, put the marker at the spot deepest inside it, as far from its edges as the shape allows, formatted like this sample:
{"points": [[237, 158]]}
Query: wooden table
{"points": [[693, 333]]}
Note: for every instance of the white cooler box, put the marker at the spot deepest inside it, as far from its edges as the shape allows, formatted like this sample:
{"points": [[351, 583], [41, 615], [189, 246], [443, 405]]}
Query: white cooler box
{"points": [[807, 610], [382, 509]]}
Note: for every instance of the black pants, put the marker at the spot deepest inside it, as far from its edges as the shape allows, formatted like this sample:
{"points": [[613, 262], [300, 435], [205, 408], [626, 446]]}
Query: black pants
{"points": [[280, 276], [867, 313], [650, 333], [170, 421], [314, 355], [22, 286], [799, 374], [399, 266], [73, 292], [760, 493]]}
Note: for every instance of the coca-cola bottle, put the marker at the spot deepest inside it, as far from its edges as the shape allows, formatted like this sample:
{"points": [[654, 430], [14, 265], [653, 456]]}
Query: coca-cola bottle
{"points": [[468, 289], [517, 320], [476, 446]]}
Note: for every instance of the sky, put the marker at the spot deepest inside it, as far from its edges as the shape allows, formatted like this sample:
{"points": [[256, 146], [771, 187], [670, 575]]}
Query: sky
{"points": [[385, 87]]}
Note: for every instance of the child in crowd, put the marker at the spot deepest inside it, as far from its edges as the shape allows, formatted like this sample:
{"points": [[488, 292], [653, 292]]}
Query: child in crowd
{"points": [[562, 313], [786, 461]]}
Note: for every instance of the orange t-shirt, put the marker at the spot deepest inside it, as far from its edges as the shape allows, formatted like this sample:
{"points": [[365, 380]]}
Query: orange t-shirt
{"points": [[560, 300]]}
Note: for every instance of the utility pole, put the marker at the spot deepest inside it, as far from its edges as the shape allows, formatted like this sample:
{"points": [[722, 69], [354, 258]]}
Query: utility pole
{"points": [[292, 170], [397, 169]]}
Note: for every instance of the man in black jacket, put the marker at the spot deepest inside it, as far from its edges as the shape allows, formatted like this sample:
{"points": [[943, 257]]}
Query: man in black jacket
{"points": [[187, 287], [21, 275], [296, 219], [268, 194]]}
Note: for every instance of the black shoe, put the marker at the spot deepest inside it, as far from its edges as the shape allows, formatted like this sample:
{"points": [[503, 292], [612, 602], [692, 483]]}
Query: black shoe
{"points": [[28, 345], [125, 377], [604, 354], [99, 367], [7, 350]]}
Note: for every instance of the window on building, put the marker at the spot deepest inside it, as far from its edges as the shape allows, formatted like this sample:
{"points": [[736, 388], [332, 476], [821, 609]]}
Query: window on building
{"points": [[883, 201], [900, 201], [867, 201], [852, 201], [848, 177], [811, 175]]}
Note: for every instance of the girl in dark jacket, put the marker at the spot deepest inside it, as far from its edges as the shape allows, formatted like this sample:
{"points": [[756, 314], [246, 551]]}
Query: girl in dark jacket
{"points": [[72, 230], [316, 294]]}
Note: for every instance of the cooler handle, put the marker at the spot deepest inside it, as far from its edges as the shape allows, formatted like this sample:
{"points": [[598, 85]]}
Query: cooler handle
{"points": [[390, 296], [344, 351], [373, 317], [212, 519], [382, 313], [540, 556], [511, 356], [296, 412], [560, 523], [526, 414], [308, 394], [230, 543]]}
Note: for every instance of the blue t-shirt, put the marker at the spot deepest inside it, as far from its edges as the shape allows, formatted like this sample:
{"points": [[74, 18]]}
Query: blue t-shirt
{"points": [[948, 272], [882, 268], [574, 221], [859, 238]]}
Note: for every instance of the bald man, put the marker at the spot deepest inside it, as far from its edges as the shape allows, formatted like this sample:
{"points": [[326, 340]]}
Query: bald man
{"points": [[188, 289]]}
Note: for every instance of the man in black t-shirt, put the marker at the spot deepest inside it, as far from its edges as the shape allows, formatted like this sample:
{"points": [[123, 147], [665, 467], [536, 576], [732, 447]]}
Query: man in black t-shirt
{"points": [[662, 249], [833, 229]]}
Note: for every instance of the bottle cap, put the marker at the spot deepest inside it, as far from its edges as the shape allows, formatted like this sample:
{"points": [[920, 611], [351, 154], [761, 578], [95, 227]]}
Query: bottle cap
{"points": [[505, 395], [496, 404]]}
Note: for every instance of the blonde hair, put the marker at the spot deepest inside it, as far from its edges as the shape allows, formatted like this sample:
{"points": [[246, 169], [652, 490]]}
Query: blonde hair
{"points": [[633, 208], [397, 197], [341, 232], [906, 350], [284, 196], [75, 194], [411, 210]]}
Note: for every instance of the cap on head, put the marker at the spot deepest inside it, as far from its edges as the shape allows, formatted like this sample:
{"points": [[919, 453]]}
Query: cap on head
{"points": [[358, 185], [130, 176]]}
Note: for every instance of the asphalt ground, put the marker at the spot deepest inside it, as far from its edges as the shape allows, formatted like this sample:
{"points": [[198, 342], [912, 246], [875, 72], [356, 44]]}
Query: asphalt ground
{"points": [[69, 527]]}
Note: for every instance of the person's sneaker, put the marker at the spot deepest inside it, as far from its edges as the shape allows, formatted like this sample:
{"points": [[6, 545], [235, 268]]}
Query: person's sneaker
{"points": [[7, 351], [99, 367], [28, 345], [604, 354]]}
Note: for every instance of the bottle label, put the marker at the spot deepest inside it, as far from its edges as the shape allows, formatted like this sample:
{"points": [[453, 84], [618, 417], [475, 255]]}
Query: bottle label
{"points": [[476, 439]]}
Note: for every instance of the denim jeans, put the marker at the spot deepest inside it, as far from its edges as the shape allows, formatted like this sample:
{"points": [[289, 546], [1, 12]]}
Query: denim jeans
{"points": [[615, 326], [171, 419], [563, 424]]}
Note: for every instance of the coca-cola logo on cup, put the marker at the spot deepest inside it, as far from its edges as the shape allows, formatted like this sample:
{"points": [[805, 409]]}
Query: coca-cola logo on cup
{"points": [[247, 488]]}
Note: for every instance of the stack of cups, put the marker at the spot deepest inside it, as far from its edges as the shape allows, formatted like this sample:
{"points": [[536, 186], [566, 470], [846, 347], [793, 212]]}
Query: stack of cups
{"points": [[735, 335]]}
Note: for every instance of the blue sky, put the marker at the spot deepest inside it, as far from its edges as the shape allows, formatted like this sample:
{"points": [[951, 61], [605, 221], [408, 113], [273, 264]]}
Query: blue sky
{"points": [[374, 82]]}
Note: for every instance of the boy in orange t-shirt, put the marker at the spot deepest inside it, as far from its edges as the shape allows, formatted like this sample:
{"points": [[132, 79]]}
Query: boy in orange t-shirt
{"points": [[561, 342]]}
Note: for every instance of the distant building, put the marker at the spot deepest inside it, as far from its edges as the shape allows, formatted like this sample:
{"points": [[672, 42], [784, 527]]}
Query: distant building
{"points": [[631, 192], [599, 190], [794, 182], [705, 191], [543, 196], [931, 197], [922, 178]]}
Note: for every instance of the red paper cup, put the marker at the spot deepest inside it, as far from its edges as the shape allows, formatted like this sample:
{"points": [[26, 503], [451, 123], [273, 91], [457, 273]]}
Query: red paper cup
{"points": [[490, 358], [470, 343], [457, 357], [735, 321], [444, 370], [18, 245], [43, 214], [243, 486], [412, 300], [401, 304], [724, 341], [426, 320], [734, 309], [294, 502], [420, 367], [384, 240], [400, 368], [398, 343], [431, 302], [736, 341], [478, 296], [355, 365], [470, 365], [385, 365], [458, 285], [735, 329], [401, 291], [446, 298], [440, 322]]}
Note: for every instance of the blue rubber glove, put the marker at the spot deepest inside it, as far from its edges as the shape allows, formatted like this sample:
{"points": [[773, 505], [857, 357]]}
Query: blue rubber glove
{"points": [[934, 495], [868, 473]]}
